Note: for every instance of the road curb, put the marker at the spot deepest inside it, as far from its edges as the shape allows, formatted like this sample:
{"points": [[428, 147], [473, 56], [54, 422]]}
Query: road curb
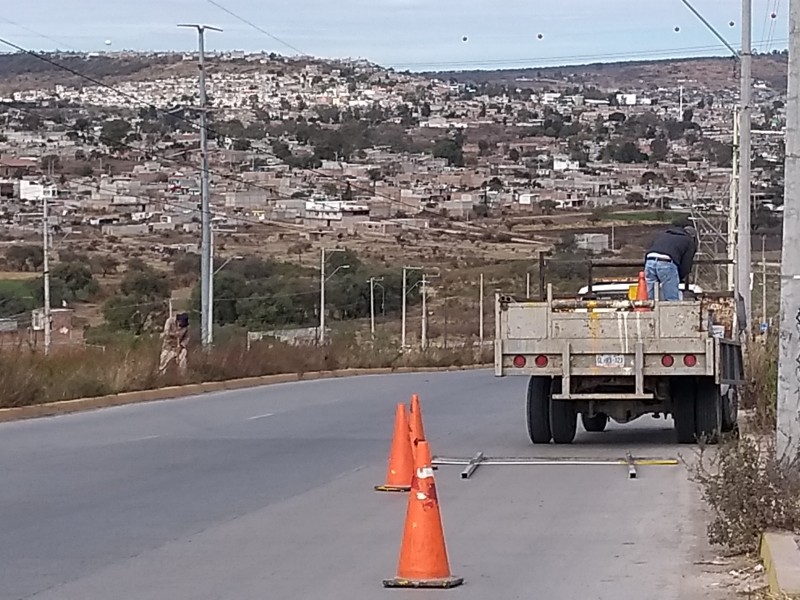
{"points": [[64, 407], [781, 556]]}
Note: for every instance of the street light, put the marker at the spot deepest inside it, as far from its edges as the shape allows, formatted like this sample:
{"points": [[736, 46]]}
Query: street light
{"points": [[322, 279], [403, 326], [372, 282], [211, 291]]}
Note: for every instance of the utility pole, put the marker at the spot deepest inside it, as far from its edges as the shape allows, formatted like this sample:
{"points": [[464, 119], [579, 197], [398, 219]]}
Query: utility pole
{"points": [[763, 280], [211, 287], [322, 297], [528, 285], [788, 417], [480, 322], [205, 205], [743, 264], [733, 210], [424, 291], [46, 269]]}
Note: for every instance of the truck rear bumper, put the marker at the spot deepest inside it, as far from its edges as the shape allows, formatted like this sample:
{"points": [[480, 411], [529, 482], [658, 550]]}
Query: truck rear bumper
{"points": [[644, 397]]}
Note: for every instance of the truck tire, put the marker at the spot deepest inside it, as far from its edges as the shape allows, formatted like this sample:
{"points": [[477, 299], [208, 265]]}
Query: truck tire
{"points": [[708, 411], [537, 409], [730, 411], [683, 393], [596, 423], [563, 417]]}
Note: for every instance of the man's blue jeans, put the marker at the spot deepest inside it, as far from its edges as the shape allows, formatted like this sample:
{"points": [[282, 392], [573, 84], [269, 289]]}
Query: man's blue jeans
{"points": [[663, 273]]}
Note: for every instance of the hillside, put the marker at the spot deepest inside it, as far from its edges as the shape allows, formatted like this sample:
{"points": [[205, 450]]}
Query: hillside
{"points": [[707, 73]]}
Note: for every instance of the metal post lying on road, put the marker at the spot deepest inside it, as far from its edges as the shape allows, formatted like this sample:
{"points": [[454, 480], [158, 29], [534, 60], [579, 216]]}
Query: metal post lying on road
{"points": [[788, 418]]}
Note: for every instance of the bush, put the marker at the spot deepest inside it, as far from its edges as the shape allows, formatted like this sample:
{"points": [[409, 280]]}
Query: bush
{"points": [[749, 491], [28, 377], [760, 392]]}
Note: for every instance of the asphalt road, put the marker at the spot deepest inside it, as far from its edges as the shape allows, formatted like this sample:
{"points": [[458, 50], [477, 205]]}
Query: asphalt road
{"points": [[267, 493]]}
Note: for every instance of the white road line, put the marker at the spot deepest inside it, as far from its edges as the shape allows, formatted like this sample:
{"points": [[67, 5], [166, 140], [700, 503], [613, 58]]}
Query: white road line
{"points": [[257, 417]]}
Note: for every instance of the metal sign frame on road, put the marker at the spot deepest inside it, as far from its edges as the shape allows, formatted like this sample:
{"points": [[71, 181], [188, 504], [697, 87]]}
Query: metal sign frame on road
{"points": [[471, 464]]}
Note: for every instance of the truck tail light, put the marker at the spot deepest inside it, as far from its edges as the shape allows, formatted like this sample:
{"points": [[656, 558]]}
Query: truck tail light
{"points": [[519, 361], [667, 360], [541, 361], [690, 360]]}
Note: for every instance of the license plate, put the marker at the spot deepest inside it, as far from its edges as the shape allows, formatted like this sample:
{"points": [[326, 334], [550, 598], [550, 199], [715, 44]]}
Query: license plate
{"points": [[610, 360]]}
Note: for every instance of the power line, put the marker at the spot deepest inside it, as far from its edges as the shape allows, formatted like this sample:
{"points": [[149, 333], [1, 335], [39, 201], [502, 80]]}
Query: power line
{"points": [[254, 26]]}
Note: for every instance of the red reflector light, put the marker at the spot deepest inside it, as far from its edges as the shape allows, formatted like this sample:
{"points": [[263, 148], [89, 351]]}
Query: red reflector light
{"points": [[667, 360], [690, 360], [541, 361], [519, 361]]}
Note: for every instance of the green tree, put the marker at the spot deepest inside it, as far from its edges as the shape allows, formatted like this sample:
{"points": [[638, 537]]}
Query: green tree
{"points": [[114, 132], [25, 257], [451, 150]]}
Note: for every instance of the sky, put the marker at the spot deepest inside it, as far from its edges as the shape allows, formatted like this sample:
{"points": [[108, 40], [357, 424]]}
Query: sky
{"points": [[416, 35]]}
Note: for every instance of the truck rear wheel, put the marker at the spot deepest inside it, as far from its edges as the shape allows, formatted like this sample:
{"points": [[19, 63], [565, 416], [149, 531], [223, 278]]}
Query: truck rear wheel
{"points": [[596, 423], [708, 411], [730, 411], [683, 395], [563, 417], [537, 409]]}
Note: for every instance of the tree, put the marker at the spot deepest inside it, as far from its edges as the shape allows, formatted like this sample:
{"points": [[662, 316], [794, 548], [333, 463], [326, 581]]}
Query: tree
{"points": [[51, 163], [114, 132], [635, 198], [106, 264], [688, 115], [77, 279], [495, 184], [658, 149], [513, 154], [241, 145], [451, 150], [25, 257], [547, 206]]}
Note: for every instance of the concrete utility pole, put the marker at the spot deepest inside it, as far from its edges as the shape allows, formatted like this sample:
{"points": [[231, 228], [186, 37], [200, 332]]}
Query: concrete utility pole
{"points": [[424, 292], [788, 425], [763, 280], [46, 268], [480, 321], [733, 208], [528, 286], [205, 205], [743, 261]]}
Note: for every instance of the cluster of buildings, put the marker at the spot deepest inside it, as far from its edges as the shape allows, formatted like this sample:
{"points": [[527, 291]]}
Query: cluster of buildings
{"points": [[526, 168]]}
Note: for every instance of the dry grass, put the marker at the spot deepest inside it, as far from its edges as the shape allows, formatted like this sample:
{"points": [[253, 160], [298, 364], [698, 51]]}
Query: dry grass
{"points": [[30, 378], [749, 491], [760, 392]]}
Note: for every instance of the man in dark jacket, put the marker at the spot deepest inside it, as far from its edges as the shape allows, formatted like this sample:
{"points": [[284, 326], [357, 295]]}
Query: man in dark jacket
{"points": [[669, 259]]}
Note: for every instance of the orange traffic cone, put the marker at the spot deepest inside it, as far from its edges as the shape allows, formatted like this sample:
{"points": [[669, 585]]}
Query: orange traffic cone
{"points": [[641, 293], [401, 459], [417, 430], [423, 555]]}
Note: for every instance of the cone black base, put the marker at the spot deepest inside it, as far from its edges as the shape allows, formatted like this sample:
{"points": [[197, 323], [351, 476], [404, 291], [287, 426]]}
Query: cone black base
{"points": [[449, 582], [392, 488]]}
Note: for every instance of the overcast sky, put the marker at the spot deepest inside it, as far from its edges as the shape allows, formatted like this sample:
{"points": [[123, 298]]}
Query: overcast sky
{"points": [[414, 34]]}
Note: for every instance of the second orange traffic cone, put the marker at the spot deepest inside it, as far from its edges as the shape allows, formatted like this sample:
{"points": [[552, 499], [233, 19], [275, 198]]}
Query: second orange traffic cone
{"points": [[423, 554], [641, 293], [417, 431], [401, 458]]}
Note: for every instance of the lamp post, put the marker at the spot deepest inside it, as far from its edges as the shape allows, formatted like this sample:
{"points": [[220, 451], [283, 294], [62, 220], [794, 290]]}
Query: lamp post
{"points": [[322, 279]]}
